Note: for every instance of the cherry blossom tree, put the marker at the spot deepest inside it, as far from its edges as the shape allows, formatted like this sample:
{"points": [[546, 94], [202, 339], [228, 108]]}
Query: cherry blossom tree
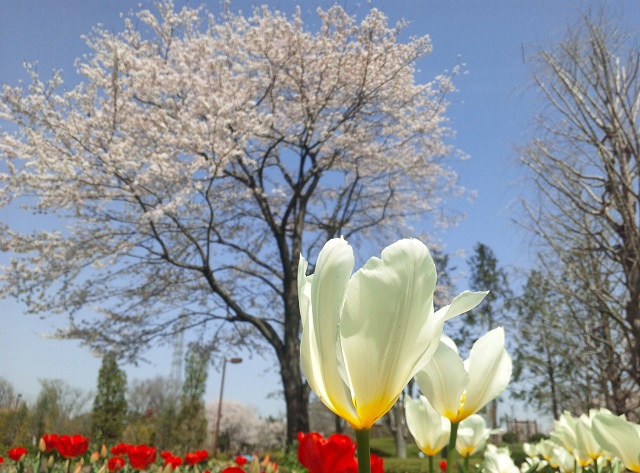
{"points": [[242, 430], [198, 157]]}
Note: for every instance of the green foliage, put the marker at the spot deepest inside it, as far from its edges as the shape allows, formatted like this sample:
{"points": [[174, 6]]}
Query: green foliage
{"points": [[287, 461], [110, 404], [545, 358], [485, 274], [14, 426], [517, 452], [406, 465], [510, 437], [46, 410], [192, 424], [386, 447], [537, 437], [59, 409], [166, 423], [142, 431]]}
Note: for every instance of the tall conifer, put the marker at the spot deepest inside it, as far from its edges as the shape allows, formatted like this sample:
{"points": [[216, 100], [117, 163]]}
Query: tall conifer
{"points": [[110, 404]]}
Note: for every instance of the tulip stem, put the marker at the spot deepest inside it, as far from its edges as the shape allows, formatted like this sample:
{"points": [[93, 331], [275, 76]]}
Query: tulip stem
{"points": [[430, 463], [364, 452], [452, 445], [36, 467]]}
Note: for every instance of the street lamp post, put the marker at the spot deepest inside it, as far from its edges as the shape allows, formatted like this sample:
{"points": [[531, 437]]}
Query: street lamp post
{"points": [[216, 434]]}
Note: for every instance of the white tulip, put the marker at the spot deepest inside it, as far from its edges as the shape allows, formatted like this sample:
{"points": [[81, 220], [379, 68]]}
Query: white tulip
{"points": [[620, 437], [472, 435], [429, 429], [365, 336], [457, 388], [498, 460]]}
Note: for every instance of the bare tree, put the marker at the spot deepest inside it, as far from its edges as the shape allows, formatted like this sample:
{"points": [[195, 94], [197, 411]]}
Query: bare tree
{"points": [[60, 408], [8, 397], [585, 167], [153, 412], [194, 163]]}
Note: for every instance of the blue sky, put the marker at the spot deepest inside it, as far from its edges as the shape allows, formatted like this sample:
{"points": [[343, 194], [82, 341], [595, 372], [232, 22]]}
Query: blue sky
{"points": [[492, 114]]}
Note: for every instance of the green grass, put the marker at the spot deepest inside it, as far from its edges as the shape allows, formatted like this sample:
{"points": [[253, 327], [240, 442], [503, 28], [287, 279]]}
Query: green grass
{"points": [[385, 447]]}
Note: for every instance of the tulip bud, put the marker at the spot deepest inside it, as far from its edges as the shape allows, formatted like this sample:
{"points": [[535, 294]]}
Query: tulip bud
{"points": [[254, 467], [95, 456], [103, 469], [42, 446], [167, 468], [160, 469], [104, 452], [50, 462], [78, 468]]}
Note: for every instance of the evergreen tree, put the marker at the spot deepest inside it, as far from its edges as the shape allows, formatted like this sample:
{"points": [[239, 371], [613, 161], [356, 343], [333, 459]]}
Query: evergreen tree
{"points": [[487, 275], [548, 358], [192, 424], [110, 404]]}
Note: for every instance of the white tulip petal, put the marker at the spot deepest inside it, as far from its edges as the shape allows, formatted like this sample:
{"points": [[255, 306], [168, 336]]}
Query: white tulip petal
{"points": [[443, 381], [304, 290], [320, 324], [472, 435], [564, 459], [489, 367], [462, 303], [447, 340], [565, 431], [429, 429], [585, 442], [619, 437], [386, 309]]}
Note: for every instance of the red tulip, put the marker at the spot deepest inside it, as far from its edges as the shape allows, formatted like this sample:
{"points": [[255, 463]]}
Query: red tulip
{"points": [[443, 466], [232, 469], [240, 460], [120, 449], [175, 462], [141, 456], [71, 446], [377, 464], [1, 460], [48, 442], [192, 458], [17, 453], [115, 464], [335, 454]]}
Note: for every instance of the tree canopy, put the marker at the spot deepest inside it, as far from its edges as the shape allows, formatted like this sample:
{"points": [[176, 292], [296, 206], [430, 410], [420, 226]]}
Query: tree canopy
{"points": [[584, 165], [110, 404], [198, 157]]}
